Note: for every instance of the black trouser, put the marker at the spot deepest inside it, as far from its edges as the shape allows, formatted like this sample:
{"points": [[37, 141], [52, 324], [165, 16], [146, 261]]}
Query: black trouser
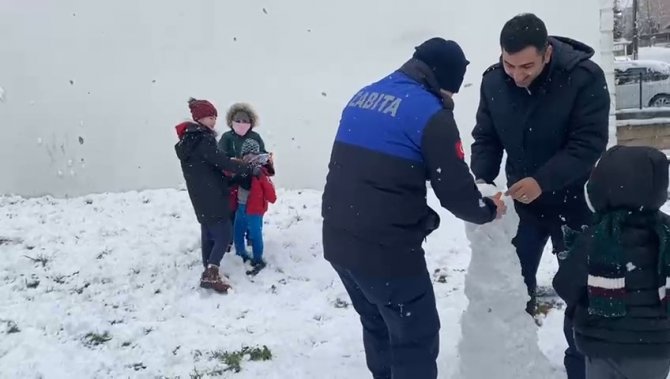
{"points": [[627, 368], [215, 238], [530, 240], [400, 324]]}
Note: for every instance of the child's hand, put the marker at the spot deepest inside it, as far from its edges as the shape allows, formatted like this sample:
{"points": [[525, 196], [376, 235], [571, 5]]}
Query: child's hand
{"points": [[256, 171]]}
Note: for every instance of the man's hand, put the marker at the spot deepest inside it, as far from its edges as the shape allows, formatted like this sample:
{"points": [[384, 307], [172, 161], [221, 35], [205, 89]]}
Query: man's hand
{"points": [[525, 190], [501, 208]]}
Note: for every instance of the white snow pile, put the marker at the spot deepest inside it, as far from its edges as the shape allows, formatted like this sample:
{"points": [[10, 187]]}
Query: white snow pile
{"points": [[656, 53], [495, 324], [106, 286], [655, 65]]}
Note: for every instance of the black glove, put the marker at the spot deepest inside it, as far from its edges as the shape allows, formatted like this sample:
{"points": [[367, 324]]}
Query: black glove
{"points": [[431, 222]]}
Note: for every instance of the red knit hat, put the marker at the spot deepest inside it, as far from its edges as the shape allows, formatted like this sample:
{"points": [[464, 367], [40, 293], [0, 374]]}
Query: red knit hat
{"points": [[201, 109]]}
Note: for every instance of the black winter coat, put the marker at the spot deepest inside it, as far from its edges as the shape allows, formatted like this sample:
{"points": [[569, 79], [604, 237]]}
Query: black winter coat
{"points": [[645, 330], [203, 164], [553, 131], [633, 178]]}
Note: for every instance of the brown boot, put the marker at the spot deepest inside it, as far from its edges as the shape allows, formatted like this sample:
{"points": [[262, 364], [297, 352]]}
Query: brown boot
{"points": [[212, 280]]}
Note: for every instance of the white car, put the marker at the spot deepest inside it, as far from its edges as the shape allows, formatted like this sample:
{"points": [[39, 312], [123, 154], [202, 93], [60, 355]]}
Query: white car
{"points": [[655, 76]]}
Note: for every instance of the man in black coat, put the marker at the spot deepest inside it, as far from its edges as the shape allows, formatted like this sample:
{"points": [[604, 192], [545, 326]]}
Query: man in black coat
{"points": [[393, 136], [545, 104]]}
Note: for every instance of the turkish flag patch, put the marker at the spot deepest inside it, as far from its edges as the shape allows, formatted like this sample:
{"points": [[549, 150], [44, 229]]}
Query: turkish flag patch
{"points": [[460, 153]]}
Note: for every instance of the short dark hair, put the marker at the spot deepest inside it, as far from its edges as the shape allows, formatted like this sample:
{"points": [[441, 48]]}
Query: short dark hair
{"points": [[523, 31]]}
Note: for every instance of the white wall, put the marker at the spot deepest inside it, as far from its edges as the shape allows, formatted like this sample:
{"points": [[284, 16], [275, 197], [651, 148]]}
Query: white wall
{"points": [[118, 74]]}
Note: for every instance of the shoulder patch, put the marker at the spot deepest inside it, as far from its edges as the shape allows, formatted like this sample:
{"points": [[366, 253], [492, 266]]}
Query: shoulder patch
{"points": [[493, 67], [460, 152]]}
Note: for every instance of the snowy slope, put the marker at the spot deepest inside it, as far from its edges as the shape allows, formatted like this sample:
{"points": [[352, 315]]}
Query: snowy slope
{"points": [[128, 265]]}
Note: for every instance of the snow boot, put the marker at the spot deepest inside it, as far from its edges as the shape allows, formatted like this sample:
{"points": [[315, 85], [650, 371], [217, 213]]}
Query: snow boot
{"points": [[256, 267], [531, 305], [211, 279]]}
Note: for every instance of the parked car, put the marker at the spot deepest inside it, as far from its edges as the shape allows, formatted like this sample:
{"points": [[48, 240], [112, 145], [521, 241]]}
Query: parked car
{"points": [[653, 76]]}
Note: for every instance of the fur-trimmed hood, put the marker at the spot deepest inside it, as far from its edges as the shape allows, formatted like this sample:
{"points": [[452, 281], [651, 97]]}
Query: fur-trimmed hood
{"points": [[242, 107]]}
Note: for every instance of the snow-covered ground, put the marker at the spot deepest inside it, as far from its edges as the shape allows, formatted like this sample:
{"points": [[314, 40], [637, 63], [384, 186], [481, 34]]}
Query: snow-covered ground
{"points": [[105, 286]]}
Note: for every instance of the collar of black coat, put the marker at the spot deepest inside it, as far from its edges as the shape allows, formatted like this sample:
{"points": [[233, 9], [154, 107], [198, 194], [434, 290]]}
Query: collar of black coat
{"points": [[421, 72], [567, 54], [196, 127]]}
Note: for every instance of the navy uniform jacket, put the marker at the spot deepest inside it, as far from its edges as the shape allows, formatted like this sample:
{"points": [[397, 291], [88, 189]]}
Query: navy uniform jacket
{"points": [[393, 136]]}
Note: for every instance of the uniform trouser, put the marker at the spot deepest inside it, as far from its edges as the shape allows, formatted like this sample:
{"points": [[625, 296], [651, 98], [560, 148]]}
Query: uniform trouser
{"points": [[400, 324], [627, 368]]}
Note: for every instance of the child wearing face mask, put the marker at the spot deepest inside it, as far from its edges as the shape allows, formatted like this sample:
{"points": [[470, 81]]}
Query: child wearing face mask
{"points": [[242, 119]]}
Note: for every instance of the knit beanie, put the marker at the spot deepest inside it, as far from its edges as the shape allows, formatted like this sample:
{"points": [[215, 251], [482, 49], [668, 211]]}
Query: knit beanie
{"points": [[250, 146], [201, 109], [447, 61]]}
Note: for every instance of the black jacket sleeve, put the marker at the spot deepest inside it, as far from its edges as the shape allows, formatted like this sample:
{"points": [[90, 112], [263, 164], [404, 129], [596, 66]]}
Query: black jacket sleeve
{"points": [[571, 279], [211, 154], [449, 174], [487, 150], [225, 144], [587, 136]]}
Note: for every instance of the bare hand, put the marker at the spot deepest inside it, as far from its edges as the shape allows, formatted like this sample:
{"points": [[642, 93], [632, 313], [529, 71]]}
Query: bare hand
{"points": [[525, 190], [501, 208]]}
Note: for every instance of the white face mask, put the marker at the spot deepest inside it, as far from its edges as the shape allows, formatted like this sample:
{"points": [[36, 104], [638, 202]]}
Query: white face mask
{"points": [[241, 128]]}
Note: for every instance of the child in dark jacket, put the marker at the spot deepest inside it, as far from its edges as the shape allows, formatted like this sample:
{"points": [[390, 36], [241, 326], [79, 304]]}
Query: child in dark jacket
{"points": [[250, 198], [242, 119], [616, 273], [203, 164]]}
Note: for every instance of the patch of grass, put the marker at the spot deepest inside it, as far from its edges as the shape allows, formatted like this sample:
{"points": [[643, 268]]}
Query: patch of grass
{"points": [[103, 254], [126, 344], [42, 259], [33, 282], [60, 279], [544, 306], [80, 290], [12, 327], [138, 366], [7, 241], [233, 359], [95, 339]]}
